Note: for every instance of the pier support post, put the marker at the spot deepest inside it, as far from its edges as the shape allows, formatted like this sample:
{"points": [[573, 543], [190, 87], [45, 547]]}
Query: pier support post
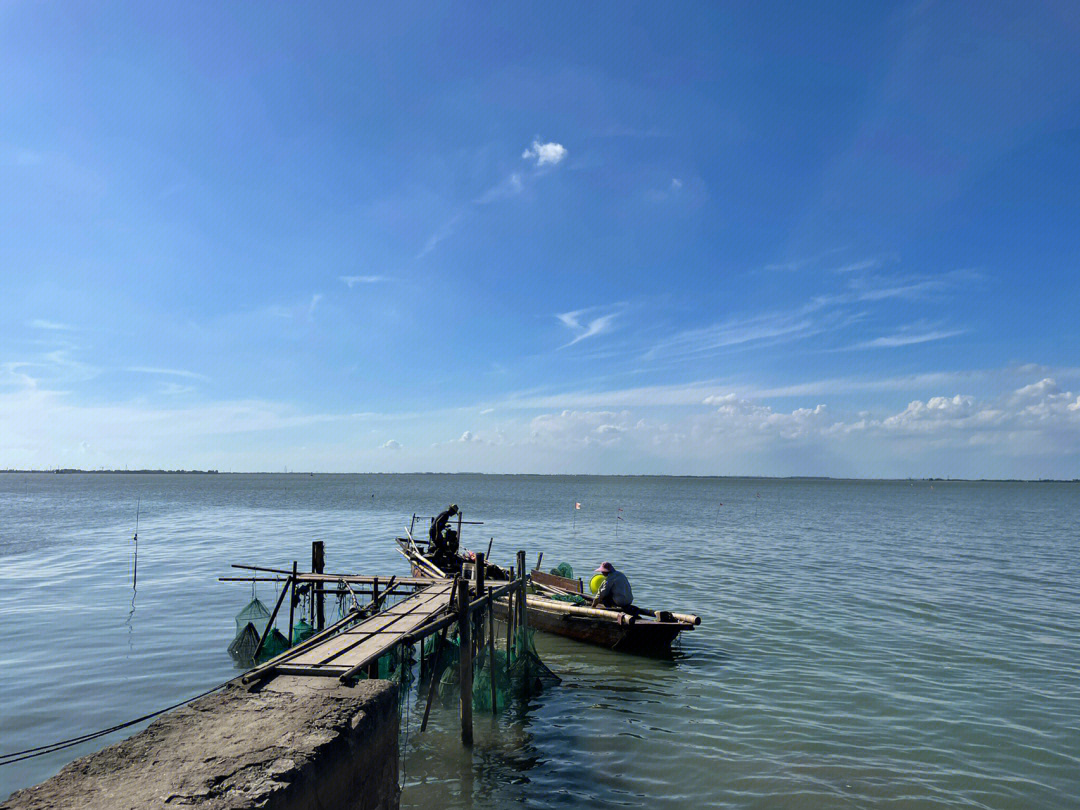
{"points": [[373, 667], [523, 614], [481, 573], [292, 601], [465, 661], [318, 562], [523, 577]]}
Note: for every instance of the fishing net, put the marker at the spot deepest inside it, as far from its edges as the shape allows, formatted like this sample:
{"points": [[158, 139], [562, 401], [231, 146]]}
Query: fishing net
{"points": [[563, 570], [302, 631], [569, 598], [522, 673], [275, 644]]}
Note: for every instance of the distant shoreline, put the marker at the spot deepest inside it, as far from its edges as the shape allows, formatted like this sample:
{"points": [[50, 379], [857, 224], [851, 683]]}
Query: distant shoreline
{"points": [[70, 471]]}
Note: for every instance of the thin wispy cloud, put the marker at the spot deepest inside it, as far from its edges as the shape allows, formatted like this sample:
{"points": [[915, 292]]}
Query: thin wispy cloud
{"points": [[855, 267], [735, 332], [799, 264], [545, 154], [586, 328], [443, 232], [513, 185], [170, 372], [39, 323], [907, 339], [315, 299], [353, 281]]}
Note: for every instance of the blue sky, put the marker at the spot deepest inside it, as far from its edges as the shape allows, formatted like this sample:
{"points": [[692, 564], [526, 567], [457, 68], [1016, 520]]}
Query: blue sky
{"points": [[763, 239]]}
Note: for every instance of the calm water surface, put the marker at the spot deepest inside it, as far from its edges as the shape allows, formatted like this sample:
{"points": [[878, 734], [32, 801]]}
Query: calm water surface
{"points": [[863, 644]]}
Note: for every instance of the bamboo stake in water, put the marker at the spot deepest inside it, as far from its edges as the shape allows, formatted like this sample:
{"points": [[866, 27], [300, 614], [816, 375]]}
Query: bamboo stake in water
{"points": [[135, 572], [465, 662]]}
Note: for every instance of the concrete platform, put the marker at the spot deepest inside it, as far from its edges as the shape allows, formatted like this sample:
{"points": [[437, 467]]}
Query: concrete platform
{"points": [[294, 744]]}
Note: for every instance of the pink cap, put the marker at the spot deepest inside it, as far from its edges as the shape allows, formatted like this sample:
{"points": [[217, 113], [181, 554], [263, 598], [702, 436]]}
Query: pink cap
{"points": [[605, 568]]}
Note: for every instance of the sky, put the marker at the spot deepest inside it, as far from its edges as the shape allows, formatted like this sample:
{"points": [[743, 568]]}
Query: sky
{"points": [[837, 239]]}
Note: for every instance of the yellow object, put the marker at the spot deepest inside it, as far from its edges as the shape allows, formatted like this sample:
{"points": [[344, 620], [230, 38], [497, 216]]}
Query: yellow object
{"points": [[596, 582]]}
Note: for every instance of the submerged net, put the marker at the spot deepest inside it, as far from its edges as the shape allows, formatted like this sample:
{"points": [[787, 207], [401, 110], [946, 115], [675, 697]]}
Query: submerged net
{"points": [[520, 674]]}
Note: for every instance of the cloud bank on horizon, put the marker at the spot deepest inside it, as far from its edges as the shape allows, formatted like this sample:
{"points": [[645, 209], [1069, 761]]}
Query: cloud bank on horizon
{"points": [[856, 257]]}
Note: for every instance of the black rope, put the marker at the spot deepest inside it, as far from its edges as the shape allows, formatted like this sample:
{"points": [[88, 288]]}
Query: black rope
{"points": [[41, 750]]}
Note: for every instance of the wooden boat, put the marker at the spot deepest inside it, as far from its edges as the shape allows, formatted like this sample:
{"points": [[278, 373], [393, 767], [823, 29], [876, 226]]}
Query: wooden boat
{"points": [[647, 633]]}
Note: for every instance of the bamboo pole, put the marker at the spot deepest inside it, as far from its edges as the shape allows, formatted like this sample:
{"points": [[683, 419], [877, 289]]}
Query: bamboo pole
{"points": [[318, 562], [465, 662], [299, 649], [434, 672], [292, 602], [524, 577], [420, 582], [481, 571], [373, 667], [270, 624]]}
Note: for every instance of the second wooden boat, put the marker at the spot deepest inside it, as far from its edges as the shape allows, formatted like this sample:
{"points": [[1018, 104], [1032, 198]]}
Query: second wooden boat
{"points": [[554, 607]]}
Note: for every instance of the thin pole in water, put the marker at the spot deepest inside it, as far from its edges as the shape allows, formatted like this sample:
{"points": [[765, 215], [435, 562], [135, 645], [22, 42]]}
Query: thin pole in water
{"points": [[135, 570]]}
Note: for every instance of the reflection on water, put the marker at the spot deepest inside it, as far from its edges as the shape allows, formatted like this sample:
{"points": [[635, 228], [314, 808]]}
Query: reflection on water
{"points": [[863, 644]]}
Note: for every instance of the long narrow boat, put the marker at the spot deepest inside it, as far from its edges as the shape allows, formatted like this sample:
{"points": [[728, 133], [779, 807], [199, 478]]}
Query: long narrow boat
{"points": [[648, 633]]}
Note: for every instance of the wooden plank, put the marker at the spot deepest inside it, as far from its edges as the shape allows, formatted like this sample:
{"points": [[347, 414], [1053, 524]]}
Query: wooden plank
{"points": [[372, 635], [555, 581]]}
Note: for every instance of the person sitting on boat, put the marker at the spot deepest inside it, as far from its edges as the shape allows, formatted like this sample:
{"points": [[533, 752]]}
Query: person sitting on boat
{"points": [[446, 552], [615, 592]]}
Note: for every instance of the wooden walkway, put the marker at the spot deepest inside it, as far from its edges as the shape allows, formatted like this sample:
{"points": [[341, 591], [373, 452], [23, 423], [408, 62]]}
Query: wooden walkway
{"points": [[367, 641]]}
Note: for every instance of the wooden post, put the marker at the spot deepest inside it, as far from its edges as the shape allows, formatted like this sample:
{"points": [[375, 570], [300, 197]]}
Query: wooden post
{"points": [[491, 661], [465, 662], [481, 572], [481, 566], [292, 601], [509, 628], [524, 578], [523, 611], [373, 667], [318, 562]]}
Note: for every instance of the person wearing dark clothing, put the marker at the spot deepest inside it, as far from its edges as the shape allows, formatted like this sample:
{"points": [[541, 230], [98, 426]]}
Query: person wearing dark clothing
{"points": [[439, 524], [615, 592], [444, 541]]}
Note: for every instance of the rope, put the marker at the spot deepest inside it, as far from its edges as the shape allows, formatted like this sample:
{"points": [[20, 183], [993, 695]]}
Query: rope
{"points": [[41, 750]]}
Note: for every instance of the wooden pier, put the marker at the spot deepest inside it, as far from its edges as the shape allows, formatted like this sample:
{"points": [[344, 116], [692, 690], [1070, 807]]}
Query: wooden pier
{"points": [[350, 648]]}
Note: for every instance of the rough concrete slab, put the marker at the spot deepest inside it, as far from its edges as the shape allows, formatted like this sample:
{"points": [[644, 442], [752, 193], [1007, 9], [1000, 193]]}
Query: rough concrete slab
{"points": [[295, 744]]}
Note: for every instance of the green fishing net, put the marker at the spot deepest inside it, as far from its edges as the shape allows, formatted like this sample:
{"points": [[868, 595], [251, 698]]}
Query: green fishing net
{"points": [[563, 570]]}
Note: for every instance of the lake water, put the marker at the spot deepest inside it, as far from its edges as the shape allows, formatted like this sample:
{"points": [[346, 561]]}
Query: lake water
{"points": [[863, 644]]}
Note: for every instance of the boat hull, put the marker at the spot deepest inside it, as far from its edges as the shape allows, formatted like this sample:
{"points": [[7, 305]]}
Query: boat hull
{"points": [[643, 637]]}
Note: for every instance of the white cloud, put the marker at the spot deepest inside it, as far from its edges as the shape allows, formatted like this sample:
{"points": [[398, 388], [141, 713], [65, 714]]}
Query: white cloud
{"points": [[588, 329], [172, 372], [468, 436], [315, 299], [907, 338], [854, 267], [510, 187], [444, 231], [545, 154], [352, 281], [676, 183], [174, 389], [39, 323], [391, 445]]}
